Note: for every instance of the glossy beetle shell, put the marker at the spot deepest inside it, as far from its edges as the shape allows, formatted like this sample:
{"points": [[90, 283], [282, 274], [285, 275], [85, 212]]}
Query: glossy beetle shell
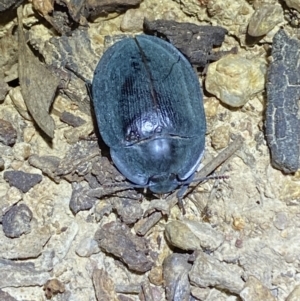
{"points": [[149, 109]]}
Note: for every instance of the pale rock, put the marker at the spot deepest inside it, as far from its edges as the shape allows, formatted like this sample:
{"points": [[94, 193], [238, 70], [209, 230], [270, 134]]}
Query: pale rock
{"points": [[132, 20], [87, 247], [220, 137], [234, 79], [280, 220], [22, 151], [193, 235], [207, 271], [254, 290], [264, 19]]}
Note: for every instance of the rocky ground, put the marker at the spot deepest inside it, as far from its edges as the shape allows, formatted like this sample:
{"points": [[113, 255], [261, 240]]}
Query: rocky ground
{"points": [[67, 234]]}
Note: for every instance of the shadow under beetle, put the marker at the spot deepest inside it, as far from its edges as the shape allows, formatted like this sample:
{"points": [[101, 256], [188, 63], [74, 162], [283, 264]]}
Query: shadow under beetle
{"points": [[149, 109]]}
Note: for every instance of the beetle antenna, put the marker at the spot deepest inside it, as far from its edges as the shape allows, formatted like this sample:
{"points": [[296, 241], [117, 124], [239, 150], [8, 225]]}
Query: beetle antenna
{"points": [[125, 185], [213, 177]]}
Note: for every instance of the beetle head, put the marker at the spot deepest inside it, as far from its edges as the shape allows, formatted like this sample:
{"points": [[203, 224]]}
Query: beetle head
{"points": [[163, 183], [161, 152]]}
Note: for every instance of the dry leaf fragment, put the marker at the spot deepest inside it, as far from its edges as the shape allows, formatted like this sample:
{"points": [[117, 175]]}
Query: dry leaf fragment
{"points": [[38, 84]]}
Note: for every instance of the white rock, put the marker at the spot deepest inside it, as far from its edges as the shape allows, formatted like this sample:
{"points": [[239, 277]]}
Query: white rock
{"points": [[87, 247]]}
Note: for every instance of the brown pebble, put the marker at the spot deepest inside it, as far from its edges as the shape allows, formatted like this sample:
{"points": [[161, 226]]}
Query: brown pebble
{"points": [[53, 287]]}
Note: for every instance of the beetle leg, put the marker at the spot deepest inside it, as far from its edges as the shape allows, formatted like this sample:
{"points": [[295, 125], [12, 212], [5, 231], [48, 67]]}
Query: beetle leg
{"points": [[180, 193]]}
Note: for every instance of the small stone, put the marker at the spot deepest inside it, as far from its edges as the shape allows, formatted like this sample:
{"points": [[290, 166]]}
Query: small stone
{"points": [[239, 243], [193, 235], [8, 135], [16, 221], [264, 19], [22, 180], [254, 290], [80, 200], [116, 238], [129, 210], [53, 287], [294, 294], [47, 164], [220, 137], [71, 119], [87, 247], [211, 107], [207, 271], [235, 79], [238, 223], [132, 20], [22, 151], [282, 112], [102, 208], [156, 276], [176, 281], [280, 220], [196, 42]]}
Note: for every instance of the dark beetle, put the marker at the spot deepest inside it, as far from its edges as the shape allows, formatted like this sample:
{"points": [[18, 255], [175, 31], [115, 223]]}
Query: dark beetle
{"points": [[149, 109]]}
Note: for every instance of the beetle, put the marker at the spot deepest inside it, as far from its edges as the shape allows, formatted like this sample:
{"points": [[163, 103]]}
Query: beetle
{"points": [[149, 109]]}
